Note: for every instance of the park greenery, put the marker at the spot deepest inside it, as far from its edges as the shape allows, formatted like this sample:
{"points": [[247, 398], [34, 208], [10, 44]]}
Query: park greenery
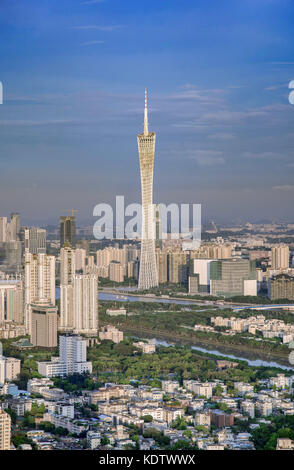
{"points": [[175, 322]]}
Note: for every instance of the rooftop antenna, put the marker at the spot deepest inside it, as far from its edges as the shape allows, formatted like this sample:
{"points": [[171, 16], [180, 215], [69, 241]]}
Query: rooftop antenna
{"points": [[146, 115]]}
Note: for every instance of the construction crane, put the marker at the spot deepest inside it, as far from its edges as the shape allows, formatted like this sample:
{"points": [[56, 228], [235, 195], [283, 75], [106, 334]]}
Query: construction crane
{"points": [[71, 210]]}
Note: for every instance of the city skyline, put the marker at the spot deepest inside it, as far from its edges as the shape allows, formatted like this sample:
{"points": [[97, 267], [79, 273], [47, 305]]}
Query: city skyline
{"points": [[221, 110]]}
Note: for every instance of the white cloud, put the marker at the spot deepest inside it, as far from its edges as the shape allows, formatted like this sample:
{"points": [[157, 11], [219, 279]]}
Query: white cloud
{"points": [[285, 187], [261, 155], [92, 2], [208, 157], [92, 43], [98, 27]]}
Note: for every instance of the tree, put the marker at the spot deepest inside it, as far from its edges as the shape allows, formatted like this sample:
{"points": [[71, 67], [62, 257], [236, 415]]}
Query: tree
{"points": [[147, 418]]}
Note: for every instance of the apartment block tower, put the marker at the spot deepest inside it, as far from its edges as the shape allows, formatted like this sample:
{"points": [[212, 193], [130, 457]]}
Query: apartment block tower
{"points": [[39, 282], [5, 430], [146, 146], [280, 257]]}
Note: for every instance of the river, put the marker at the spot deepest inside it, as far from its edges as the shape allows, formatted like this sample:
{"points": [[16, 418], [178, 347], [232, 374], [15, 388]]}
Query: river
{"points": [[124, 298]]}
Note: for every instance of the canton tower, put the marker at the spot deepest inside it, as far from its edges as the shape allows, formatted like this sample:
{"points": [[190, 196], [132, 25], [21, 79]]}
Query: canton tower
{"points": [[146, 146]]}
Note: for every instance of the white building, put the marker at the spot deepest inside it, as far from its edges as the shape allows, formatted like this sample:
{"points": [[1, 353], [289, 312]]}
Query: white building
{"points": [[85, 304], [39, 283], [72, 358], [93, 439]]}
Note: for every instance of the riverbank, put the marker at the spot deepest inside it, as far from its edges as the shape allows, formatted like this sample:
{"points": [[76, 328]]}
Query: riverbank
{"points": [[233, 349]]}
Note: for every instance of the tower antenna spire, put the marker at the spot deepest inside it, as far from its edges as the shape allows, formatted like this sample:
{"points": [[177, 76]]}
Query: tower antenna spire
{"points": [[146, 115]]}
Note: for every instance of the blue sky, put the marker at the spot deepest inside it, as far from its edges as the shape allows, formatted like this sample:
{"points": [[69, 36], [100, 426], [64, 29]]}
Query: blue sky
{"points": [[217, 73]]}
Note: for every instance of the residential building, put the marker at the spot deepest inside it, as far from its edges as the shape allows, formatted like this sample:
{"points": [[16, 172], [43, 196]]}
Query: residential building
{"points": [[281, 287], [280, 257], [5, 430]]}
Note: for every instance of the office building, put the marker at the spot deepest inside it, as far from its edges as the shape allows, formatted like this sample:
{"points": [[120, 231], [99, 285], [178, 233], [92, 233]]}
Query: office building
{"points": [[44, 325], [146, 145], [233, 277], [199, 276]]}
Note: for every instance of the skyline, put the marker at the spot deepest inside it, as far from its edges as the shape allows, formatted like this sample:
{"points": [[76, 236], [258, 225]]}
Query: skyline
{"points": [[73, 80]]}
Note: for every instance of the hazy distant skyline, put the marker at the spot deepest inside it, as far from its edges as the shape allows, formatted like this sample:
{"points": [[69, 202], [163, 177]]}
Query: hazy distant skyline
{"points": [[217, 74]]}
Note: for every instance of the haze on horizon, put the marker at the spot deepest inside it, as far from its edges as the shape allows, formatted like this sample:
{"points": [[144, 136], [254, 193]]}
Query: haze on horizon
{"points": [[217, 74]]}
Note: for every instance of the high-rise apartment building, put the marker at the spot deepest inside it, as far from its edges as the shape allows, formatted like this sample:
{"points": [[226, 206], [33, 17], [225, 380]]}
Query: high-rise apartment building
{"points": [[5, 430], [67, 230], [34, 239], [13, 228], [161, 262], [109, 254], [13, 256], [44, 325], [39, 282], [67, 271], [11, 301], [116, 271], [158, 227], [79, 304], [67, 265], [146, 145], [81, 256], [3, 229], [85, 304], [281, 287], [280, 257], [178, 267]]}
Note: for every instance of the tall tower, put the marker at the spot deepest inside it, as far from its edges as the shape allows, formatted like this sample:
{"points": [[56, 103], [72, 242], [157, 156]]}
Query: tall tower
{"points": [[146, 145]]}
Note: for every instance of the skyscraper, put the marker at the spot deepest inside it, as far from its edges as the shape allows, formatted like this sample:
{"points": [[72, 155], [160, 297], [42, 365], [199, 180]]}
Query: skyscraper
{"points": [[39, 282], [85, 304], [146, 146], [67, 230]]}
